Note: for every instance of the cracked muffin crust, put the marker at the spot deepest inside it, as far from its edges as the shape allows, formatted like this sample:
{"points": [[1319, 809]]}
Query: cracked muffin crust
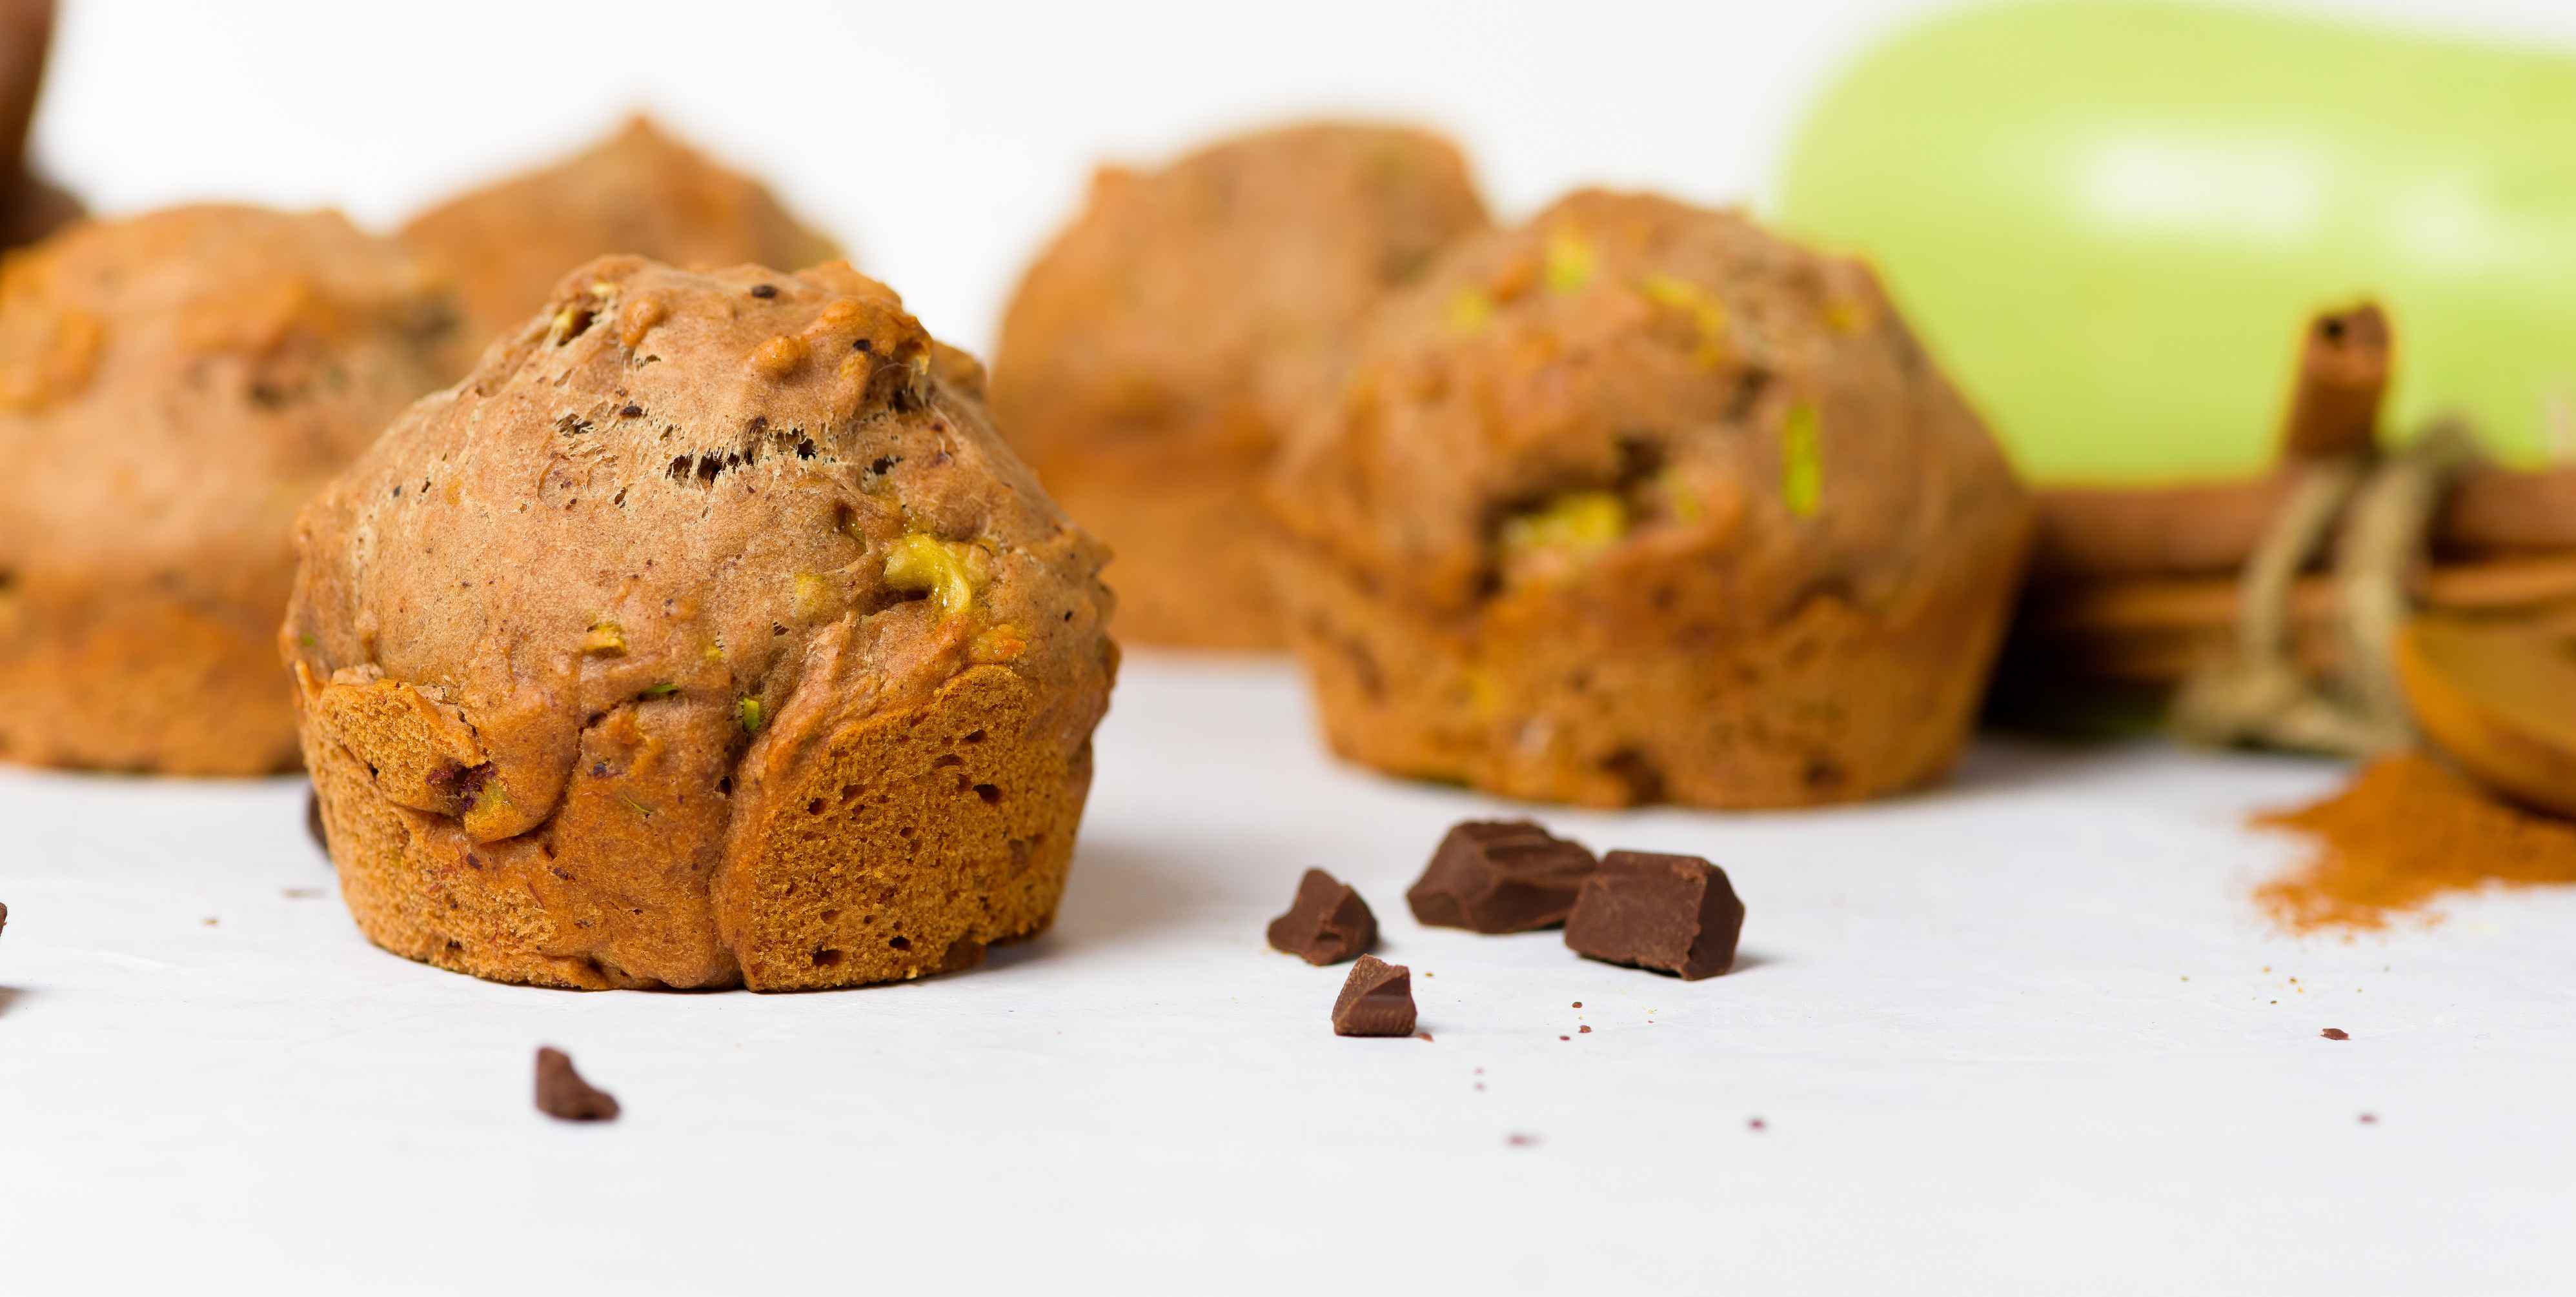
{"points": [[704, 636], [1638, 502], [1155, 354], [638, 191], [173, 387]]}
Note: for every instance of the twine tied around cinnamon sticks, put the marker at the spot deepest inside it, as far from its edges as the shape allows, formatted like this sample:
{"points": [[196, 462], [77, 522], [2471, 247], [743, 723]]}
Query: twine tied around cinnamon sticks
{"points": [[2374, 510]]}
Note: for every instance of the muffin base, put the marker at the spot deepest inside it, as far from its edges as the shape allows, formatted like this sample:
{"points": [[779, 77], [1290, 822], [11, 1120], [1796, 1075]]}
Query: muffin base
{"points": [[139, 682], [1570, 695], [895, 846]]}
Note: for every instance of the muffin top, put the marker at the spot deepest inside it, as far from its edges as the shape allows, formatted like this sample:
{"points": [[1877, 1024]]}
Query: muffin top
{"points": [[1628, 380], [1213, 297], [639, 191], [735, 501], [176, 385]]}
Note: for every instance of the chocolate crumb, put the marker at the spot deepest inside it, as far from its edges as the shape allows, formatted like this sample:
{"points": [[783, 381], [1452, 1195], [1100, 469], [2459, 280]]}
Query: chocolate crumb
{"points": [[1497, 876], [1518, 1140], [764, 291], [1326, 923], [2335, 1033], [1583, 1031], [2370, 1119], [1376, 1000], [563, 1095], [1565, 1038], [1672, 914], [1578, 1004], [1757, 1124], [630, 411]]}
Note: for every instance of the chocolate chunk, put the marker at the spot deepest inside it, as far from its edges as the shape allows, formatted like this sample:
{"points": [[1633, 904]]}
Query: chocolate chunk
{"points": [[1499, 876], [2335, 1033], [1326, 924], [562, 1094], [1376, 1000], [1673, 914]]}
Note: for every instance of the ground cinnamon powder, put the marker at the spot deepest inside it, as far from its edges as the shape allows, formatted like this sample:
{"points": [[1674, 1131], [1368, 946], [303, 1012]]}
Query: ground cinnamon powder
{"points": [[2405, 831]]}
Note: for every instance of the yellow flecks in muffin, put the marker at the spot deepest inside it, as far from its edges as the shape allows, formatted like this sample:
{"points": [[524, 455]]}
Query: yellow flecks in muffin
{"points": [[1484, 692], [749, 712], [1802, 464], [1843, 315], [715, 652], [606, 639], [949, 570], [638, 319], [1573, 525], [662, 690], [779, 357], [813, 595], [1470, 311], [1001, 643], [1570, 261], [1680, 498], [1707, 314]]}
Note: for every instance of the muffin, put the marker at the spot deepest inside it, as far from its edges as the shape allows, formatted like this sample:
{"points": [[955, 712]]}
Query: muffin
{"points": [[30, 208], [173, 387], [1636, 503], [704, 636], [1154, 356], [640, 191]]}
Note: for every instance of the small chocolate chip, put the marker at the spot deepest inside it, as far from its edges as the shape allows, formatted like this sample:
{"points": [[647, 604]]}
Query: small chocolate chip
{"points": [[1496, 876], [2335, 1033], [1672, 914], [631, 412], [1326, 923], [764, 291], [563, 1095], [1376, 1000]]}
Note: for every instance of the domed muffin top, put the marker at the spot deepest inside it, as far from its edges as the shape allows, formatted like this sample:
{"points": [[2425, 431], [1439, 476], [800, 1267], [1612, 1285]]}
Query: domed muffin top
{"points": [[1214, 295], [705, 491], [187, 378], [638, 191], [1624, 380]]}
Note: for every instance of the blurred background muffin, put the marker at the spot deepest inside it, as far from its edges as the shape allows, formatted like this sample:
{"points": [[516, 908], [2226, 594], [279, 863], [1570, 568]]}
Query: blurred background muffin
{"points": [[30, 207], [172, 387], [641, 191], [1638, 502], [1156, 352]]}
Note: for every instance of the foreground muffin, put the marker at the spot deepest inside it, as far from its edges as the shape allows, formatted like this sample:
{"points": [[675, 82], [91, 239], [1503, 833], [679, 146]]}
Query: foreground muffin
{"points": [[704, 636], [1155, 354], [1638, 502], [637, 191], [172, 388]]}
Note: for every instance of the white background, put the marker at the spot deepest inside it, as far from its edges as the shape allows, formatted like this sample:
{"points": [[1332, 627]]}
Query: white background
{"points": [[2024, 1034]]}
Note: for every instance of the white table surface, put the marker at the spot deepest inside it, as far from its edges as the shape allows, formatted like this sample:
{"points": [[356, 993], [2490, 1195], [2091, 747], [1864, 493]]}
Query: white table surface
{"points": [[2026, 1033]]}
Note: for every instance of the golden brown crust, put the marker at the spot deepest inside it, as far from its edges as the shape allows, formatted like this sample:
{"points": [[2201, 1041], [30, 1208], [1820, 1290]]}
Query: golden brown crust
{"points": [[184, 380], [704, 636], [1637, 503], [1154, 355], [638, 191]]}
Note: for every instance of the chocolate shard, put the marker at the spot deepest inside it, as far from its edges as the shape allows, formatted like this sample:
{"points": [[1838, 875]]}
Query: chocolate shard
{"points": [[1673, 914], [1326, 924], [1498, 876], [1376, 1000], [563, 1095]]}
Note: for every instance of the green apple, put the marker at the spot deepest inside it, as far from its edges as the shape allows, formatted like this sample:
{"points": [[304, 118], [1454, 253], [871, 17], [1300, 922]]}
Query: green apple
{"points": [[2111, 222]]}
